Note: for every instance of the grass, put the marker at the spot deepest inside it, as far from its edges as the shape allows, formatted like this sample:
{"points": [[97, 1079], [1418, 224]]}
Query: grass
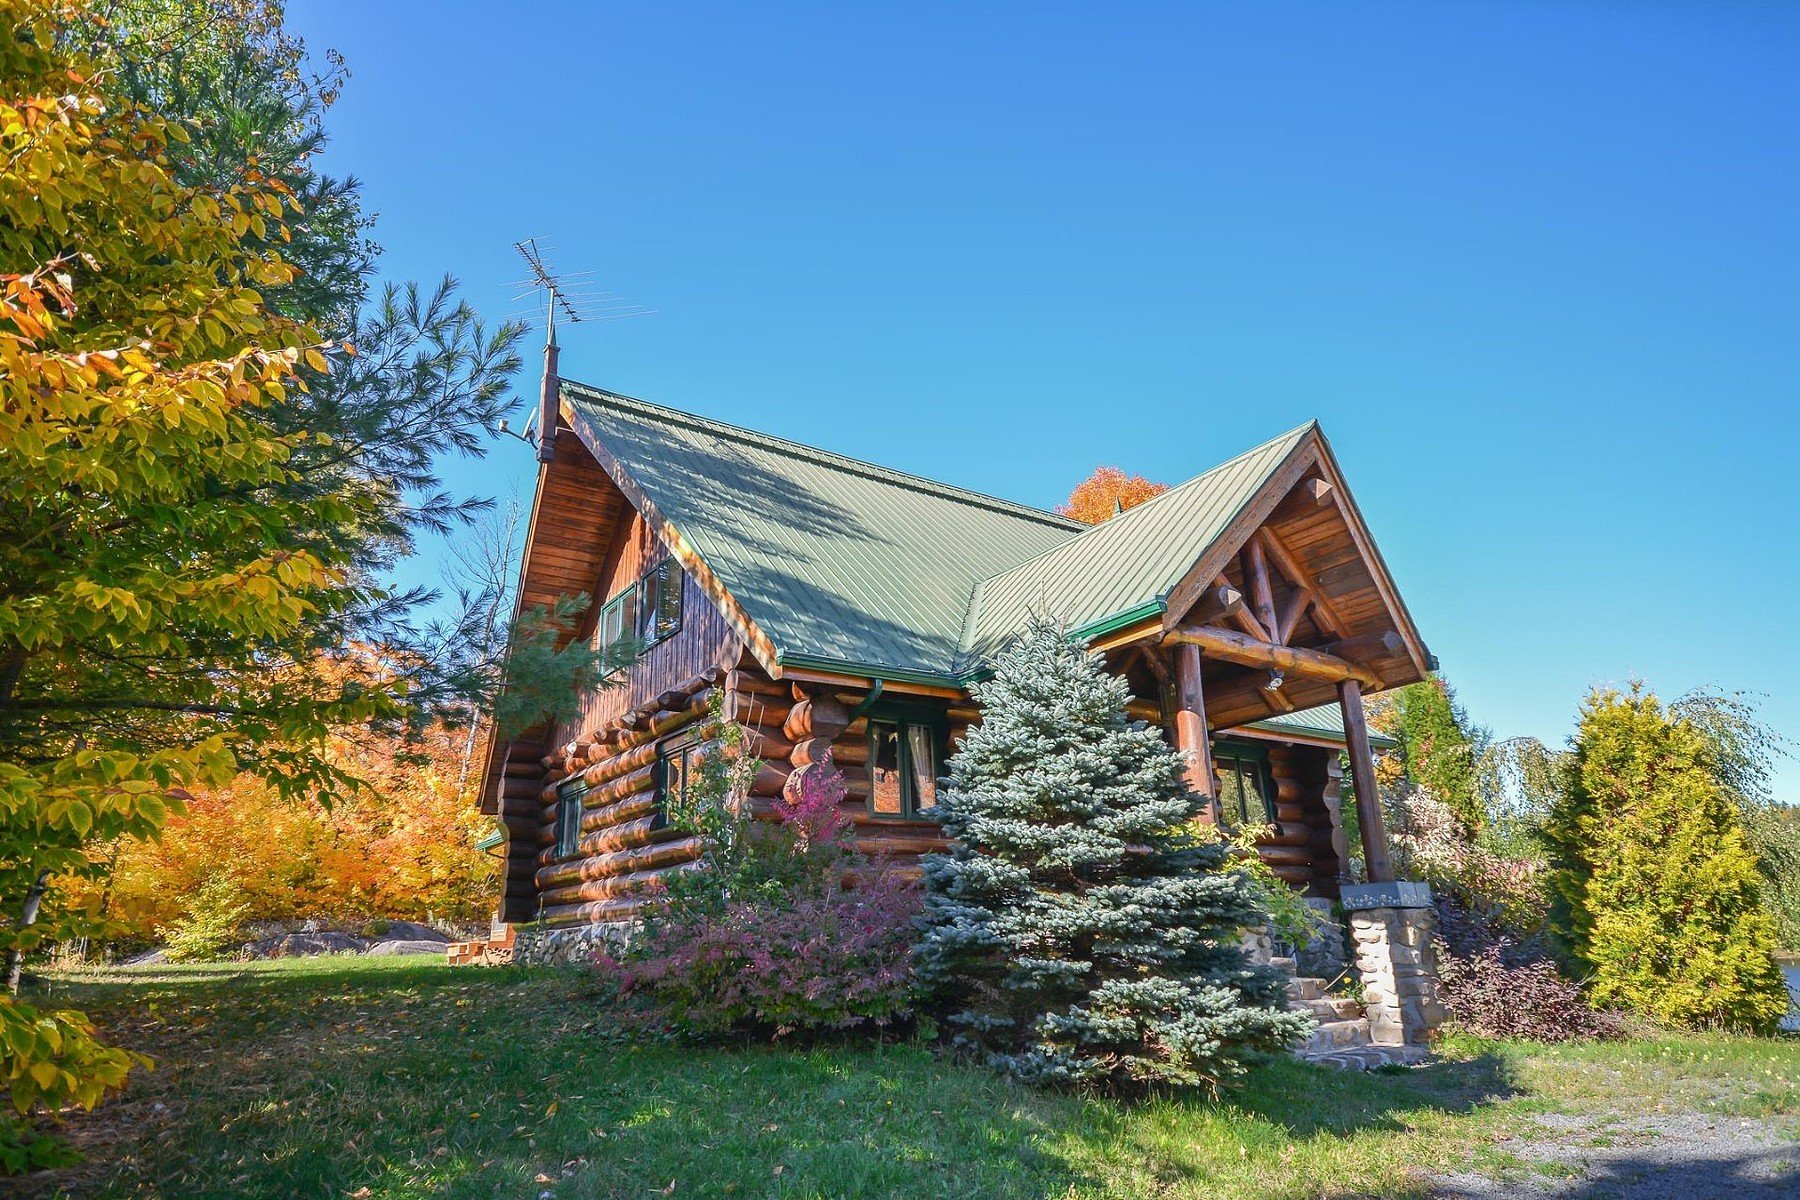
{"points": [[383, 1079]]}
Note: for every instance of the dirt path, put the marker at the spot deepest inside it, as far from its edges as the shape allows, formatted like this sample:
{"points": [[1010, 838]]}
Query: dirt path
{"points": [[1645, 1157]]}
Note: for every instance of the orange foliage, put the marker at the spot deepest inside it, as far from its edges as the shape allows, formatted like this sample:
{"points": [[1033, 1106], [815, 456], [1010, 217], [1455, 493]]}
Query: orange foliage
{"points": [[401, 849], [1106, 492]]}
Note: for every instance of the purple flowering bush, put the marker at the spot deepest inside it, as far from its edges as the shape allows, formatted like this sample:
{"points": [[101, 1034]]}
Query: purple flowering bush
{"points": [[786, 929]]}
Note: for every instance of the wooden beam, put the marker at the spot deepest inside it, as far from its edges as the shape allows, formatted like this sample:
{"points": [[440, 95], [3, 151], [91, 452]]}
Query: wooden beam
{"points": [[1257, 569], [1232, 646], [1303, 458], [1289, 617], [1323, 612], [1362, 777], [1368, 646], [1308, 498], [1191, 736], [1223, 600]]}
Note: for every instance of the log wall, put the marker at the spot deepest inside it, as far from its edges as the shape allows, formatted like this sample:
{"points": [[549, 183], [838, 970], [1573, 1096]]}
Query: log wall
{"points": [[1303, 844], [796, 729]]}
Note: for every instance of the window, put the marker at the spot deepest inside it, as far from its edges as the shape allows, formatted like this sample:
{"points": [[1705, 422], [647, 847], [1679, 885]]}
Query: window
{"points": [[903, 764], [642, 615], [1244, 791], [678, 761], [568, 816]]}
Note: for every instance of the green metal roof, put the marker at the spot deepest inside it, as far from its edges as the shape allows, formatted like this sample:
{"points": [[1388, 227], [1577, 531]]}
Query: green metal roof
{"points": [[852, 567], [840, 563], [1327, 721], [1129, 564]]}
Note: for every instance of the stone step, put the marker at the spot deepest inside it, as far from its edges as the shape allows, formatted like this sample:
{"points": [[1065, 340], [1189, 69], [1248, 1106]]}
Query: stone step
{"points": [[1331, 1008], [1287, 966], [1302, 988], [1333, 1036], [1367, 1058]]}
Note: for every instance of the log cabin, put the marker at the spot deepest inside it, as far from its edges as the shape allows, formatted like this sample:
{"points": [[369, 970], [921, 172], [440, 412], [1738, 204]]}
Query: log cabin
{"points": [[839, 611]]}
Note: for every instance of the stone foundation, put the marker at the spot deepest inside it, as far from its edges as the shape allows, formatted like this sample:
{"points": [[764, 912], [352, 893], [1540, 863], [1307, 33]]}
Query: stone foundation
{"points": [[538, 946], [1398, 967]]}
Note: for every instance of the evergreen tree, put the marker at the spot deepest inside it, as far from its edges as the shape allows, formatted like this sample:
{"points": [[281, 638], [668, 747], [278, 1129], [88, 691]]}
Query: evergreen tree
{"points": [[1080, 932], [1656, 891]]}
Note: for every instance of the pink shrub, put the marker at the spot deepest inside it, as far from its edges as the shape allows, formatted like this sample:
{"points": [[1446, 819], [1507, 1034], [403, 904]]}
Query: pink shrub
{"points": [[800, 935]]}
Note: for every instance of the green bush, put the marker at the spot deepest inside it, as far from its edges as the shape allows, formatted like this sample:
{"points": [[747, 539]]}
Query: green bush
{"points": [[210, 924], [1656, 891]]}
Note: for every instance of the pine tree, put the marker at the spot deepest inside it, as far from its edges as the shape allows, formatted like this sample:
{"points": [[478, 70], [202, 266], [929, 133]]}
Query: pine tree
{"points": [[1080, 932], [1656, 890]]}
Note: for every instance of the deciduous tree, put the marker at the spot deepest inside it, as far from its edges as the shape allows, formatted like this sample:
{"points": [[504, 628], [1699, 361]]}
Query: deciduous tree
{"points": [[1106, 493]]}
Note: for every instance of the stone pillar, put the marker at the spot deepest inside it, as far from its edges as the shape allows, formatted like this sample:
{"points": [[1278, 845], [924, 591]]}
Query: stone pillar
{"points": [[1391, 928]]}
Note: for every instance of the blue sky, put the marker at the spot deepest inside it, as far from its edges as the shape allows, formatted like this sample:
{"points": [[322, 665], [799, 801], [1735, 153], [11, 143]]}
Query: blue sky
{"points": [[1532, 265]]}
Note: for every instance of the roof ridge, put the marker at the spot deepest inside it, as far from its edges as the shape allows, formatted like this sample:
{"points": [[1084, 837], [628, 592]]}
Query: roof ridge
{"points": [[832, 459], [1146, 505]]}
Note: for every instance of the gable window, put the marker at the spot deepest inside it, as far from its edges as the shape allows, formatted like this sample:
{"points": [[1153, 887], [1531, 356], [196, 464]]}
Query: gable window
{"points": [[678, 763], [568, 816], [643, 614], [1246, 795], [904, 753]]}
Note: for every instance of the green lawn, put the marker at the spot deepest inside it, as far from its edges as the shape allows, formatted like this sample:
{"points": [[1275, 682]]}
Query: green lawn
{"points": [[377, 1078]]}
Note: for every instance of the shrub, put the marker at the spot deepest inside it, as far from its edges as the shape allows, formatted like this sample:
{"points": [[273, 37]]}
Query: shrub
{"points": [[1079, 932], [1497, 984], [210, 923], [780, 931], [1432, 843], [1657, 893]]}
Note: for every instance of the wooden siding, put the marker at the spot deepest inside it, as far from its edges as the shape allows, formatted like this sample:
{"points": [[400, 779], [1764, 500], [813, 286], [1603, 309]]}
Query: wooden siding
{"points": [[705, 639]]}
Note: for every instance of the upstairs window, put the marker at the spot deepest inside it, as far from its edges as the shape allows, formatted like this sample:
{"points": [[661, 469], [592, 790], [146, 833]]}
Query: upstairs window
{"points": [[1246, 796], [904, 753], [569, 797], [645, 613]]}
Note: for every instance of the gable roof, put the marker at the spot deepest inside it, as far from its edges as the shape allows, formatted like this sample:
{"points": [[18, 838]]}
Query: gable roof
{"points": [[839, 563], [1124, 568], [827, 563]]}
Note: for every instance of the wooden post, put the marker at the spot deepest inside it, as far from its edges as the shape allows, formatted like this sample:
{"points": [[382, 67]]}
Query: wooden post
{"points": [[1362, 778], [1191, 737]]}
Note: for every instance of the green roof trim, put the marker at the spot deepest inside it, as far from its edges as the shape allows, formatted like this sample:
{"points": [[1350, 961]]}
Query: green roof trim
{"points": [[491, 841]]}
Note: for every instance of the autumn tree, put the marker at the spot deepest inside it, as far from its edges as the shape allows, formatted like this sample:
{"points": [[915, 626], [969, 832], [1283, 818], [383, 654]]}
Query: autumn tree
{"points": [[427, 379], [1106, 493], [193, 514]]}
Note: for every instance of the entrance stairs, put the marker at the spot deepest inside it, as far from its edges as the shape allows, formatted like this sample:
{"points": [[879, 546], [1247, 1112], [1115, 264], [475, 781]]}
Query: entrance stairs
{"points": [[1342, 1038]]}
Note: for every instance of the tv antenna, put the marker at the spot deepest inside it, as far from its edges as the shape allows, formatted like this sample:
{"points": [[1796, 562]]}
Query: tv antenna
{"points": [[576, 298]]}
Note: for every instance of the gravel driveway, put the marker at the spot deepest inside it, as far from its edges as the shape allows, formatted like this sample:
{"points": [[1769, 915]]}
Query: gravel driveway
{"points": [[1645, 1157]]}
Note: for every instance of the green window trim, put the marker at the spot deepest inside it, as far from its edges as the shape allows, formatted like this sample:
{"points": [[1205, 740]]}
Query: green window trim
{"points": [[569, 796], [906, 752], [646, 611], [1246, 792]]}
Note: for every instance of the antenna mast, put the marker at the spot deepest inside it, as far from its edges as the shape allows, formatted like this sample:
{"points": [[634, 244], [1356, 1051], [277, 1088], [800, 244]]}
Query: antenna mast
{"points": [[542, 276]]}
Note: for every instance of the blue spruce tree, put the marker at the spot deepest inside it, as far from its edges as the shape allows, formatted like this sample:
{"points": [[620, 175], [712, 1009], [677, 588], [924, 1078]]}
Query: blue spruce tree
{"points": [[1079, 933]]}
